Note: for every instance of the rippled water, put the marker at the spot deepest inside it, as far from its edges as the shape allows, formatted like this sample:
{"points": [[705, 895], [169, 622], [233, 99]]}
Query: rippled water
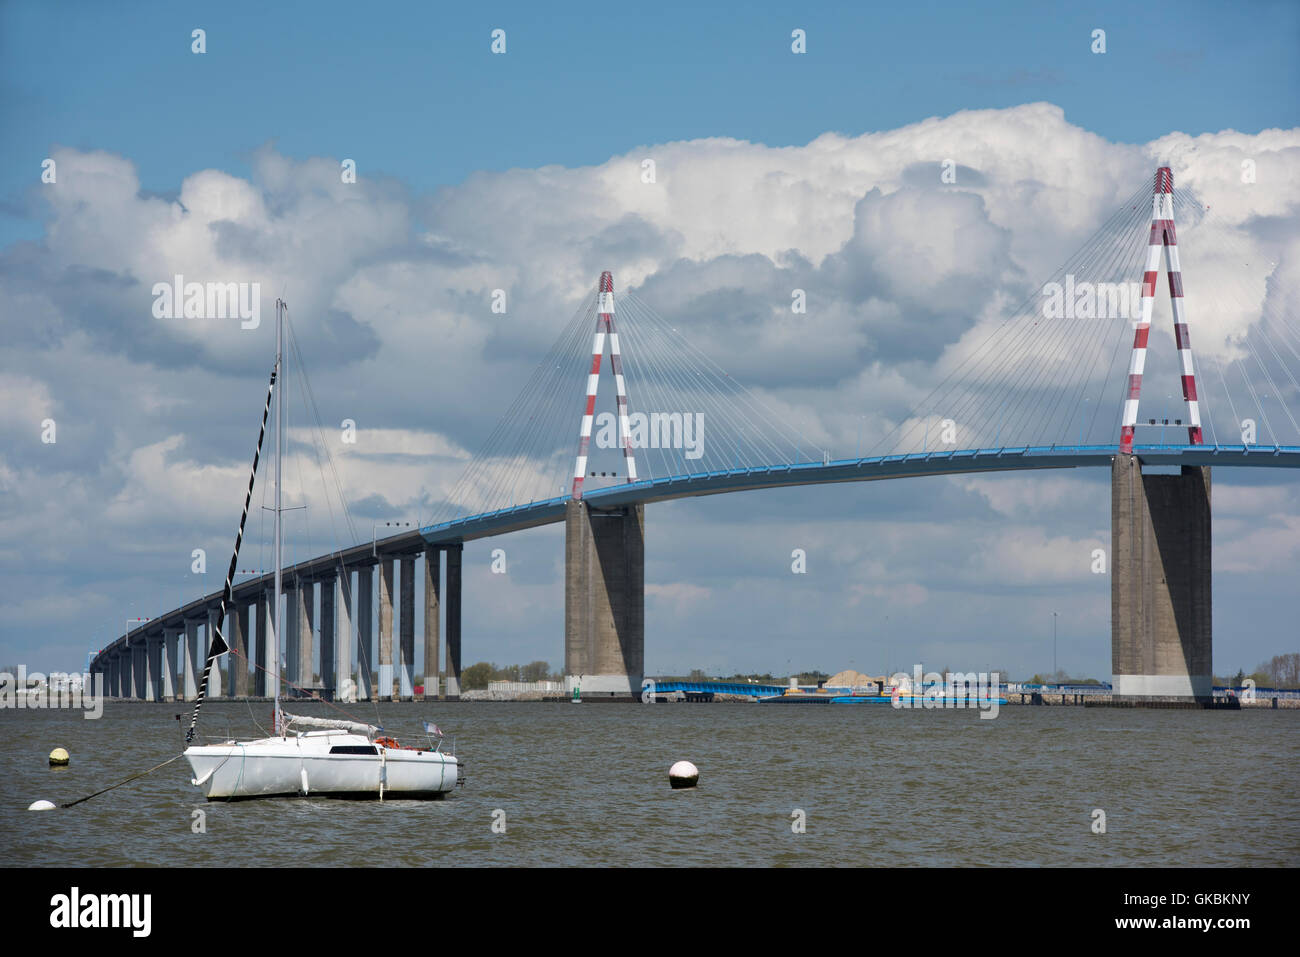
{"points": [[588, 785]]}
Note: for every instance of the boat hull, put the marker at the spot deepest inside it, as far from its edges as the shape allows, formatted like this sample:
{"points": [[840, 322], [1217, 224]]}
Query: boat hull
{"points": [[320, 764]]}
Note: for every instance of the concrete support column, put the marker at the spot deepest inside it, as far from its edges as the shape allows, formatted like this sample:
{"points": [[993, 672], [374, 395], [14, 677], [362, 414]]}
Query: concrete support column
{"points": [[406, 647], [344, 687], [215, 686], [167, 668], [268, 657], [327, 587], [604, 597], [306, 618], [432, 611], [291, 617], [239, 662], [190, 682], [386, 629], [454, 556], [1161, 624], [142, 678], [153, 667], [365, 632], [137, 671]]}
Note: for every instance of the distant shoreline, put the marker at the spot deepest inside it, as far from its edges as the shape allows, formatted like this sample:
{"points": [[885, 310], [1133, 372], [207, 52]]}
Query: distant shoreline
{"points": [[1014, 699]]}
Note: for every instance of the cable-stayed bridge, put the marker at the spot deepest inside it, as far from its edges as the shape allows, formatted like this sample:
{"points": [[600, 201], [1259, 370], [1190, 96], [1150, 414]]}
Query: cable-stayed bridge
{"points": [[1096, 368]]}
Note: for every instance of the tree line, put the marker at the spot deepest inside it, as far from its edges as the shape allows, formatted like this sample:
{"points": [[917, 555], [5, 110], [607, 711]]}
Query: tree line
{"points": [[477, 676]]}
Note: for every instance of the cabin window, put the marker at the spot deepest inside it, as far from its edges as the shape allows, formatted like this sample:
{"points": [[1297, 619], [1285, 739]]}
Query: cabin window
{"points": [[353, 749]]}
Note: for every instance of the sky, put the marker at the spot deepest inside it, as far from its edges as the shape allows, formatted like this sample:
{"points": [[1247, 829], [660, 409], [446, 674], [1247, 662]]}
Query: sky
{"points": [[522, 171]]}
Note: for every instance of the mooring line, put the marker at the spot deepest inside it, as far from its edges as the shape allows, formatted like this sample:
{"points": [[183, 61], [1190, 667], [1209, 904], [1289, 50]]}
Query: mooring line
{"points": [[127, 781]]}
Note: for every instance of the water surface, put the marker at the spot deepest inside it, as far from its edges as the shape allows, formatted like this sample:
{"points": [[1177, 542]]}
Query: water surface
{"points": [[588, 785]]}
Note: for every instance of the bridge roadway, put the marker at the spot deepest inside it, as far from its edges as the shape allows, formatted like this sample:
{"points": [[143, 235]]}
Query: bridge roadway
{"points": [[947, 462], [550, 511]]}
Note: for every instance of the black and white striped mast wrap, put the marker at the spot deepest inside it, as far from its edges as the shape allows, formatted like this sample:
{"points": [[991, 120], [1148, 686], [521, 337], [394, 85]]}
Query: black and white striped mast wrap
{"points": [[218, 646]]}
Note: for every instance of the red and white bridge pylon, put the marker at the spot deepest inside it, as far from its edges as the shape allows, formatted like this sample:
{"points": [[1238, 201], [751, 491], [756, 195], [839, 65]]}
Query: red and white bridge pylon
{"points": [[1162, 235], [605, 329]]}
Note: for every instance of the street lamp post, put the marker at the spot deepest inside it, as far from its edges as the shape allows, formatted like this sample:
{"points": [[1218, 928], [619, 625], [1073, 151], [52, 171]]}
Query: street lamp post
{"points": [[374, 541]]}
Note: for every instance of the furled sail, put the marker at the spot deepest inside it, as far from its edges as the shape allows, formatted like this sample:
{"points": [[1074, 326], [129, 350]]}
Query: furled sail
{"points": [[337, 723], [217, 645]]}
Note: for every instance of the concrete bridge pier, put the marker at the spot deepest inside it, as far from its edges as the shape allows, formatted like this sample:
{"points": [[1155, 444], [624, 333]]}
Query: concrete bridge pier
{"points": [[153, 667], [214, 676], [1161, 624], [134, 676], [290, 671], [124, 672], [365, 632], [327, 639], [604, 597], [385, 689], [239, 642], [190, 680], [167, 666], [136, 672], [432, 611], [265, 625], [306, 618], [454, 555], [343, 639], [406, 646], [140, 673]]}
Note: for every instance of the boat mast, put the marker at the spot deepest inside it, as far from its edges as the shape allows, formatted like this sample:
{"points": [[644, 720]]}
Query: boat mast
{"points": [[279, 543]]}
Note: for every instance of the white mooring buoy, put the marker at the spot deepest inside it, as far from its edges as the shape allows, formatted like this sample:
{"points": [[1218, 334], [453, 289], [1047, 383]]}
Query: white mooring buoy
{"points": [[59, 757], [683, 774], [41, 806]]}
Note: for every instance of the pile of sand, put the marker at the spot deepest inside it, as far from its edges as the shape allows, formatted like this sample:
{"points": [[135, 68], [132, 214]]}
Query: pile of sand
{"points": [[850, 679]]}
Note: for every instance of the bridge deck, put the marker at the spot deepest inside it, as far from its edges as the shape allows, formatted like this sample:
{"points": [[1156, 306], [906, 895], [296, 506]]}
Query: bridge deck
{"points": [[939, 462], [946, 462]]}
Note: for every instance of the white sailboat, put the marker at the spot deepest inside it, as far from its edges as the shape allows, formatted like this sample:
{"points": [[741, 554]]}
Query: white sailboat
{"points": [[306, 755], [330, 762]]}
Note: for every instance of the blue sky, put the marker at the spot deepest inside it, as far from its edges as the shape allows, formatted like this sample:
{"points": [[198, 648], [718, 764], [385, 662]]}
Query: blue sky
{"points": [[153, 431], [412, 89]]}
